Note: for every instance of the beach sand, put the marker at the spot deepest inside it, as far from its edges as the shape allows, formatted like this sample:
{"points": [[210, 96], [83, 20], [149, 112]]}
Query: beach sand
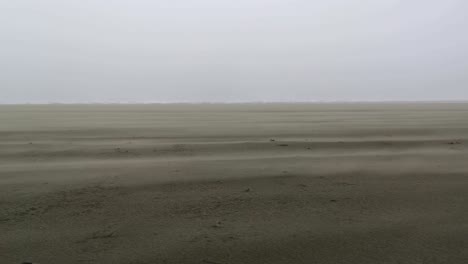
{"points": [[234, 184]]}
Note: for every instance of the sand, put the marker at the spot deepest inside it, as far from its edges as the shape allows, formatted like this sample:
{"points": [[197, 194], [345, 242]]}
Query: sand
{"points": [[234, 184]]}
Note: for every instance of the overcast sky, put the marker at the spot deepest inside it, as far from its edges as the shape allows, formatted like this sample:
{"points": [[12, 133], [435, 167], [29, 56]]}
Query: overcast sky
{"points": [[232, 50]]}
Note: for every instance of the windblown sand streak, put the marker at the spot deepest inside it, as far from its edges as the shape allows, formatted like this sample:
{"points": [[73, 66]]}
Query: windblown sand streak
{"points": [[227, 184]]}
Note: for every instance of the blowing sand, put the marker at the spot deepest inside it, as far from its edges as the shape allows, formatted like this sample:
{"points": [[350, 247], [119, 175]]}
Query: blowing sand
{"points": [[234, 184]]}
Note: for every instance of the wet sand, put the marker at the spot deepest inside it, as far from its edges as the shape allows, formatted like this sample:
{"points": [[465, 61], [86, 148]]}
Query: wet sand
{"points": [[234, 184]]}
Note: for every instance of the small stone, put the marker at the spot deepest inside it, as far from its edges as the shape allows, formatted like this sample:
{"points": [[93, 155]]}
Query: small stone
{"points": [[217, 225]]}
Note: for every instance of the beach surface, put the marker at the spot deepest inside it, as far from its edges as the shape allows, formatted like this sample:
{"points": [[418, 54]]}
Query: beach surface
{"points": [[234, 184]]}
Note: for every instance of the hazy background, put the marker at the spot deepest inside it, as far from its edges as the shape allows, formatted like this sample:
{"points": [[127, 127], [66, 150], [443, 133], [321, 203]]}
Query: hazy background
{"points": [[237, 50]]}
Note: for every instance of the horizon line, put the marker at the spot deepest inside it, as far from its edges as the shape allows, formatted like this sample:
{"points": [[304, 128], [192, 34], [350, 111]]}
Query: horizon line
{"points": [[236, 102]]}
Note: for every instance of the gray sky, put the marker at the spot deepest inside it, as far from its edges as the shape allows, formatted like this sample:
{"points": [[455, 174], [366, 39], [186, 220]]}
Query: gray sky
{"points": [[232, 50]]}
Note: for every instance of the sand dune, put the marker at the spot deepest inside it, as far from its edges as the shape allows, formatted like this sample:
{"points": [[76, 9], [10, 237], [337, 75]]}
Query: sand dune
{"points": [[228, 184]]}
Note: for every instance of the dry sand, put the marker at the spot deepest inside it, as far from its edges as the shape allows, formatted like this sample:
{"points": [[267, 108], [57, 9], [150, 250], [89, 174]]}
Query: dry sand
{"points": [[234, 184]]}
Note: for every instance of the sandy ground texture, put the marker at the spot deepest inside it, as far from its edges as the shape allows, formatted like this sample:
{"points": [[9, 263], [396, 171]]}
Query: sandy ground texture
{"points": [[234, 184]]}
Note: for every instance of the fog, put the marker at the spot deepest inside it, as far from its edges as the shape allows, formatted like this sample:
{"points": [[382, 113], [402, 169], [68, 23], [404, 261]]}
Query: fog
{"points": [[232, 51]]}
